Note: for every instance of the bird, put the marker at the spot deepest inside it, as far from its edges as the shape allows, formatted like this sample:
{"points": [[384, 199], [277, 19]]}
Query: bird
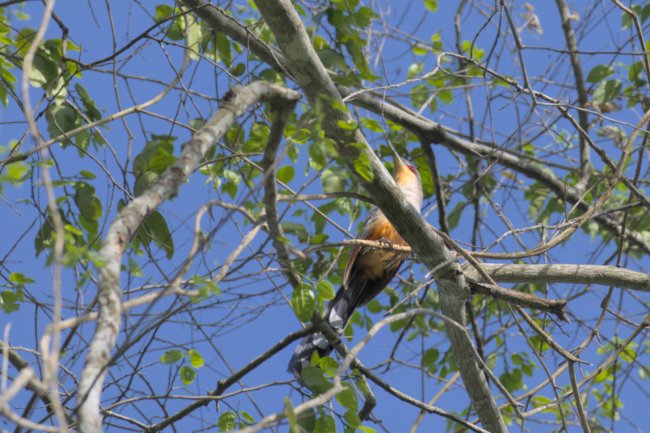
{"points": [[368, 270]]}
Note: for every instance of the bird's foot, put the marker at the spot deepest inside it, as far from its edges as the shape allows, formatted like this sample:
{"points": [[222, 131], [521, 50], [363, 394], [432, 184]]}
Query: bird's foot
{"points": [[385, 243]]}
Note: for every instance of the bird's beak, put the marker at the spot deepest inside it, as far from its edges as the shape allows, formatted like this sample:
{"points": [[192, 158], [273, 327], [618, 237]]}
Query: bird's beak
{"points": [[399, 164]]}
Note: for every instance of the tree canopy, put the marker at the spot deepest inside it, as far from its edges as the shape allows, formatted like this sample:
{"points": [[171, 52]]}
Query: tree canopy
{"points": [[182, 183]]}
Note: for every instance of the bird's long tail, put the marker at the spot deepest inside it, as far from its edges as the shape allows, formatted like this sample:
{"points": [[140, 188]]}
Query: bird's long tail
{"points": [[337, 314]]}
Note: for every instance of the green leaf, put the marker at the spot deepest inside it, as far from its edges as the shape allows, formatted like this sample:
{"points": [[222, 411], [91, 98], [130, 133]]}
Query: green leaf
{"points": [[19, 278], [352, 418], [9, 301], [44, 71], [227, 421], [301, 136], [415, 69], [14, 173], [296, 229], [291, 416], [314, 379], [635, 70], [163, 12], [188, 374], [454, 216], [223, 48], [286, 173], [238, 70], [171, 356], [331, 181], [193, 35], [61, 119], [431, 5], [473, 51], [325, 290], [347, 398], [90, 109], [372, 125], [347, 125], [307, 421], [363, 168], [303, 303], [374, 306], [248, 418], [195, 358], [420, 50], [325, 424], [429, 358], [90, 208], [155, 229], [608, 91], [599, 73], [156, 155]]}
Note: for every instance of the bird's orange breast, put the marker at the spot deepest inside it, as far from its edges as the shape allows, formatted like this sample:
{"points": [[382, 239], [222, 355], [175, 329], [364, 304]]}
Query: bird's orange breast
{"points": [[374, 263]]}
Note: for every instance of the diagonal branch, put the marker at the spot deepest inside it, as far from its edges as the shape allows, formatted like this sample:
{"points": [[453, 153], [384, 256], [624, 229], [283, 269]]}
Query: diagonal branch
{"points": [[427, 130], [235, 103], [352, 146]]}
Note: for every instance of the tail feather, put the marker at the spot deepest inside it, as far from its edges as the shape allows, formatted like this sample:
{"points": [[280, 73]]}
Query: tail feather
{"points": [[337, 314]]}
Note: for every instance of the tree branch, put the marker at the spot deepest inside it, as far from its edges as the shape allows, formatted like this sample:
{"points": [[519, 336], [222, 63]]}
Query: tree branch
{"points": [[559, 273], [124, 227], [352, 146]]}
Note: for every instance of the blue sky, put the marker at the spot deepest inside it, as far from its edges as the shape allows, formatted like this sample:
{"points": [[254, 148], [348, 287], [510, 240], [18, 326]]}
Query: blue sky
{"points": [[256, 324]]}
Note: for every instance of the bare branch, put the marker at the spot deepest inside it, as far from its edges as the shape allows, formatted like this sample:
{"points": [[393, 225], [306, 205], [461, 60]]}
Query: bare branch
{"points": [[125, 226]]}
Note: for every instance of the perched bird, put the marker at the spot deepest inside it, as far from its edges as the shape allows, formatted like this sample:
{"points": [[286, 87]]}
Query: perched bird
{"points": [[368, 271]]}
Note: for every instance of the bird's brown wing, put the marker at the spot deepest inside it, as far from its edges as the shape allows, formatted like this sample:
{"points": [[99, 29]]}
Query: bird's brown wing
{"points": [[369, 270]]}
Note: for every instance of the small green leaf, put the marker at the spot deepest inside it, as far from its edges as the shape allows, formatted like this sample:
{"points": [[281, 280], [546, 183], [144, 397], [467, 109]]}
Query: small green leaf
{"points": [[420, 50], [286, 173], [171, 356], [347, 125], [352, 418], [325, 290], [155, 229], [608, 91], [188, 374], [195, 358], [19, 278], [307, 420], [90, 208], [347, 398], [301, 136], [454, 216], [325, 424], [227, 421], [374, 306], [431, 5], [238, 70], [303, 303], [599, 73], [314, 378], [60, 119], [363, 168], [372, 125], [14, 173], [291, 416], [223, 48], [429, 358]]}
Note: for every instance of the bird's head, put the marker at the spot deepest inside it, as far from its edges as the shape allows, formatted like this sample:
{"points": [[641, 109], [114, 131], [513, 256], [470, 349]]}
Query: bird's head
{"points": [[408, 179]]}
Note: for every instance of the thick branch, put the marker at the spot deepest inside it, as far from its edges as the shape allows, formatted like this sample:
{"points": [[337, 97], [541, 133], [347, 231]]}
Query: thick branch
{"points": [[234, 104], [581, 274], [427, 130], [312, 77]]}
